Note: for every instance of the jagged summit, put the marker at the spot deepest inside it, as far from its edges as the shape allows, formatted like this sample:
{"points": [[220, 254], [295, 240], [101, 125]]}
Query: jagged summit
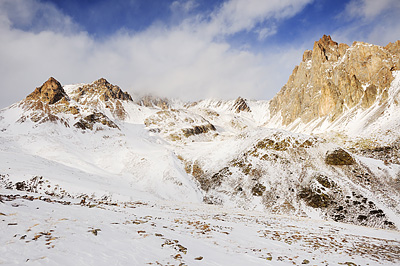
{"points": [[333, 78], [50, 92], [104, 89], [101, 82]]}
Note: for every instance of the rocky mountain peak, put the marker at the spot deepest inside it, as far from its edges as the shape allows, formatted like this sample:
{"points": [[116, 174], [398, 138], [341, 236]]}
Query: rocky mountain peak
{"points": [[327, 41], [325, 49], [50, 92], [334, 77], [102, 88], [101, 82]]}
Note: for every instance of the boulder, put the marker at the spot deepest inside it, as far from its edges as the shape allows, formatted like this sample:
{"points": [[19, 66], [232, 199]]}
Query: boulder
{"points": [[339, 157]]}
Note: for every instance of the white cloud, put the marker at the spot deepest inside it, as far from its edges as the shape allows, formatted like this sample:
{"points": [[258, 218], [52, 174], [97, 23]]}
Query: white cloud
{"points": [[36, 16], [181, 61], [372, 21], [184, 6], [238, 15], [370, 9], [263, 33]]}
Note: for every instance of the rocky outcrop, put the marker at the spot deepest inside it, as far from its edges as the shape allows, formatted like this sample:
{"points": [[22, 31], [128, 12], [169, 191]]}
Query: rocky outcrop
{"points": [[102, 93], [50, 92], [152, 101], [240, 105], [45, 103], [196, 130], [179, 124], [105, 90], [394, 48], [334, 77], [339, 157], [89, 121]]}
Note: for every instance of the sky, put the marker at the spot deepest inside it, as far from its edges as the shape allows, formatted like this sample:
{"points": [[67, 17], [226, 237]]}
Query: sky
{"points": [[187, 49]]}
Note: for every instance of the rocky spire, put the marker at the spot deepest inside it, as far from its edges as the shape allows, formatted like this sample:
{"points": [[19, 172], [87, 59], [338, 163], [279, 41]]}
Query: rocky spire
{"points": [[50, 92], [335, 77]]}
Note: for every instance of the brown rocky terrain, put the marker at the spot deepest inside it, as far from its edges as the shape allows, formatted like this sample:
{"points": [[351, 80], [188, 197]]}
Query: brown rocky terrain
{"points": [[50, 102], [50, 92], [103, 88], [101, 91], [333, 78]]}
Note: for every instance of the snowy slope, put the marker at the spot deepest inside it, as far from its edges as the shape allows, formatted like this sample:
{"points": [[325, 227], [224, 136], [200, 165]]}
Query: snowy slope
{"points": [[109, 155], [124, 164], [37, 230]]}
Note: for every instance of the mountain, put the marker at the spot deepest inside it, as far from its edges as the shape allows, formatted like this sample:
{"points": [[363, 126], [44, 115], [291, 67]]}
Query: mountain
{"points": [[327, 146], [352, 90]]}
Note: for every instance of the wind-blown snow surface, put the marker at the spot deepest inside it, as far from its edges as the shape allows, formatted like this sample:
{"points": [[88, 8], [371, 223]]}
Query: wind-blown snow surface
{"points": [[43, 230]]}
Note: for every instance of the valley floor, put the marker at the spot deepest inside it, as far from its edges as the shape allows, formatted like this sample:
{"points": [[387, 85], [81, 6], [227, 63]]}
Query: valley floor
{"points": [[37, 229]]}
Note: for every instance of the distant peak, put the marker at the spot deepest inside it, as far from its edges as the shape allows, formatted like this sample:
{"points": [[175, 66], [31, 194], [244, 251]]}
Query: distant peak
{"points": [[101, 81], [52, 83], [52, 80], [50, 92], [104, 89]]}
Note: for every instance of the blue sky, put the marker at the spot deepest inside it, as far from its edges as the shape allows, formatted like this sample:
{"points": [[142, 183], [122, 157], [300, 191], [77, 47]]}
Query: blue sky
{"points": [[190, 49], [103, 18]]}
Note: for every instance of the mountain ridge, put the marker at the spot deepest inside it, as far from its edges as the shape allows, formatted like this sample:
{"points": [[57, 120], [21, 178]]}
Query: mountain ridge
{"points": [[325, 146]]}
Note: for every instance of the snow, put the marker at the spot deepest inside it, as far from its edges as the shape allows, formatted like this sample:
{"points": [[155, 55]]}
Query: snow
{"points": [[140, 197], [46, 232]]}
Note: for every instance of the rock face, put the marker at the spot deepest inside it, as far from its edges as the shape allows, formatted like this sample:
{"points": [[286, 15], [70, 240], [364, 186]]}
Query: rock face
{"points": [[50, 92], [241, 105], [102, 92], [339, 157], [335, 77], [103, 88], [197, 130], [89, 121]]}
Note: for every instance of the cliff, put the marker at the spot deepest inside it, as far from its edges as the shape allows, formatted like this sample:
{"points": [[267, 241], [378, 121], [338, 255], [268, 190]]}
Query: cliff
{"points": [[333, 78]]}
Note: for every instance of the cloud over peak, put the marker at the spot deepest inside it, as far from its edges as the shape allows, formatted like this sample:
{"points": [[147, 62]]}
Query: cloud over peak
{"points": [[185, 50]]}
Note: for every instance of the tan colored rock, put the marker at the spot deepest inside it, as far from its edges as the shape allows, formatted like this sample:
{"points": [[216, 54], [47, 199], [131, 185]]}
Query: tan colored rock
{"points": [[105, 89], [369, 96], [101, 91], [50, 92], [334, 77], [394, 48]]}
